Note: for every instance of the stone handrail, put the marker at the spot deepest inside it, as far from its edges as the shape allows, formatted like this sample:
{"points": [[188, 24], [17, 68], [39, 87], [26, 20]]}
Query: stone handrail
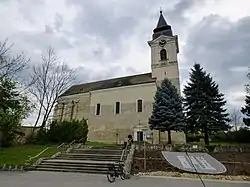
{"points": [[124, 153], [129, 160]]}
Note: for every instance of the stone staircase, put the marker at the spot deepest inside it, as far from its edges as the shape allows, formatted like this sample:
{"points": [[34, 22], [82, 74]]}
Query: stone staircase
{"points": [[84, 160]]}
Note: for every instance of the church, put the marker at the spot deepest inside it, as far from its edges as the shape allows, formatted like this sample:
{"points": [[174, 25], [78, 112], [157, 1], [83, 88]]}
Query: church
{"points": [[118, 107]]}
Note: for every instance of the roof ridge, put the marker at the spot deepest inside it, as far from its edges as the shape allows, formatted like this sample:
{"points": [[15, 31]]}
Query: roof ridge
{"points": [[134, 75], [110, 83]]}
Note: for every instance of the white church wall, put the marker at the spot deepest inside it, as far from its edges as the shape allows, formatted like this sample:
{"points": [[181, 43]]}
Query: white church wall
{"points": [[109, 126], [81, 107]]}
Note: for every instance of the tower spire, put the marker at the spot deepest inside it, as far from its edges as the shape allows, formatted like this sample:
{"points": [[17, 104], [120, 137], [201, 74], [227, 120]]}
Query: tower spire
{"points": [[162, 27], [161, 22]]}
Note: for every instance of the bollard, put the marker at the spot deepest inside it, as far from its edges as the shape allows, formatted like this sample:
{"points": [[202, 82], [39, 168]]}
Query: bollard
{"points": [[4, 167]]}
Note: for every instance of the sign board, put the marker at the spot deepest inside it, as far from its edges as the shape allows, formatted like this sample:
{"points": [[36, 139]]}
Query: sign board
{"points": [[194, 162]]}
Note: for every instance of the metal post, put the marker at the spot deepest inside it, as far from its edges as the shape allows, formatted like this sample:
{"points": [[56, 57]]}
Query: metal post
{"points": [[145, 167]]}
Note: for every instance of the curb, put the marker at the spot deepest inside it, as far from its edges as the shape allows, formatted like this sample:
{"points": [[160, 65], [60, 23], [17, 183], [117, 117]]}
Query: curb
{"points": [[190, 178], [7, 167]]}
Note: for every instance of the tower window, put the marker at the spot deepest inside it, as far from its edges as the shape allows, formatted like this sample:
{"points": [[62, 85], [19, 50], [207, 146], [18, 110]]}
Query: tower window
{"points": [[163, 54], [117, 108], [98, 109], [139, 105]]}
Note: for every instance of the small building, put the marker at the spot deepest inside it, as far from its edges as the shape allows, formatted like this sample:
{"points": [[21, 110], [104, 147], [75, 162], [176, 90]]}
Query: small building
{"points": [[121, 106]]}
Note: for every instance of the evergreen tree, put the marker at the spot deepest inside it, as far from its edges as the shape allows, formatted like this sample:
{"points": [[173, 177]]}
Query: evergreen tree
{"points": [[204, 104], [246, 111], [167, 111]]}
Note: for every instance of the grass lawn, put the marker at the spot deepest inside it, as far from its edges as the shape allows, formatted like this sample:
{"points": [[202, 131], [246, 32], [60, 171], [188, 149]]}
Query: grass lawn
{"points": [[99, 144], [18, 155]]}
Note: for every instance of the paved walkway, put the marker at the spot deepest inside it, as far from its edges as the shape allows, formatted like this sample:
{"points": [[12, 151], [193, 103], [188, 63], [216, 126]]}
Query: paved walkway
{"points": [[57, 179]]}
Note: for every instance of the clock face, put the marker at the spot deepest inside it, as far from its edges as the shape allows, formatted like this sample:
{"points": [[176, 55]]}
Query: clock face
{"points": [[162, 42]]}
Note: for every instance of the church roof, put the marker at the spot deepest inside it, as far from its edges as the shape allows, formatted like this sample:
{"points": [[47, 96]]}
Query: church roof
{"points": [[110, 83]]}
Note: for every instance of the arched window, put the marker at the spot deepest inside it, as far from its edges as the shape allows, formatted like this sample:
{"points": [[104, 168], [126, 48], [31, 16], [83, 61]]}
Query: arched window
{"points": [[163, 54], [139, 105]]}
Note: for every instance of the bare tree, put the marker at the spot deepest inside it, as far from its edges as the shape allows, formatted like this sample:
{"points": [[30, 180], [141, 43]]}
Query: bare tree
{"points": [[235, 117], [11, 66], [52, 77]]}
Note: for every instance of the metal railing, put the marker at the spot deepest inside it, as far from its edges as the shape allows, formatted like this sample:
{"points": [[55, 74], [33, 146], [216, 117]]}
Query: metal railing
{"points": [[124, 153], [72, 142], [31, 158], [62, 144]]}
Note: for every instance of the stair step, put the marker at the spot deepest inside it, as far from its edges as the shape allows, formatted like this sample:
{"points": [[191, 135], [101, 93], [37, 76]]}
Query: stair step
{"points": [[89, 159], [84, 154], [71, 170], [89, 162], [74, 167], [97, 150], [83, 160], [51, 164]]}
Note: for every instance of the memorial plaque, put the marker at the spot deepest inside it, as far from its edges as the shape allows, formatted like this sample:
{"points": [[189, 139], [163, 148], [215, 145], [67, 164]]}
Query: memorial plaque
{"points": [[195, 162]]}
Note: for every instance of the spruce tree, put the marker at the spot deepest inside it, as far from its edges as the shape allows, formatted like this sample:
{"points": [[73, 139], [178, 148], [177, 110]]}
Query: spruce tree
{"points": [[167, 111], [204, 104], [246, 111]]}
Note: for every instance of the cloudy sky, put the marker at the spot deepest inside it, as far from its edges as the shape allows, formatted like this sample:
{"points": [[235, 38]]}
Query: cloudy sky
{"points": [[108, 38]]}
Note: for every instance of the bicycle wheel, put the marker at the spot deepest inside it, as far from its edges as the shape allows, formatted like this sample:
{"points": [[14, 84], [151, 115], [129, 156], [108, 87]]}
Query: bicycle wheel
{"points": [[111, 177], [123, 174]]}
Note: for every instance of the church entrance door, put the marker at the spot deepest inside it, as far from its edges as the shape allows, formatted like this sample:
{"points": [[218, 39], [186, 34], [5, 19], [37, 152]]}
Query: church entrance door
{"points": [[139, 136]]}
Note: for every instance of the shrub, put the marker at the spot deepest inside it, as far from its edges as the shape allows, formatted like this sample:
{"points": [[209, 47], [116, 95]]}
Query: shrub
{"points": [[210, 148], [240, 136], [64, 131], [194, 137]]}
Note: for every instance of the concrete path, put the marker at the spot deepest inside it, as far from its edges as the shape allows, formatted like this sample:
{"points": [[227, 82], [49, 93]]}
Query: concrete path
{"points": [[58, 179]]}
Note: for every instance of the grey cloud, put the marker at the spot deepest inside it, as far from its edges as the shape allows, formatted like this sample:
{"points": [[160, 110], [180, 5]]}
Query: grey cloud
{"points": [[29, 8], [48, 29], [177, 12], [58, 21], [116, 22], [84, 75], [41, 40], [221, 47]]}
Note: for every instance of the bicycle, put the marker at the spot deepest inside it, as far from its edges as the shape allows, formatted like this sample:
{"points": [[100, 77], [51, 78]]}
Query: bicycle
{"points": [[115, 171]]}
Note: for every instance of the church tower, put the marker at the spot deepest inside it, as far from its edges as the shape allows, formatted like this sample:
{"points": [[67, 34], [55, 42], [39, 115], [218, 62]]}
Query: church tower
{"points": [[164, 50]]}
